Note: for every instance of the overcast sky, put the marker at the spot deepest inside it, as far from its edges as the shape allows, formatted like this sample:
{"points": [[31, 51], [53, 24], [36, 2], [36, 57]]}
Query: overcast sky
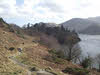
{"points": [[24, 11]]}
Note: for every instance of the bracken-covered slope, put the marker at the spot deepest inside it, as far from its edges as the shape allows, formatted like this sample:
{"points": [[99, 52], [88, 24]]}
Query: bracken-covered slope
{"points": [[26, 56], [13, 61], [8, 40]]}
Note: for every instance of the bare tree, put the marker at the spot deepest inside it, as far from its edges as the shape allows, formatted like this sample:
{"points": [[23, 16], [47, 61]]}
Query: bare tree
{"points": [[71, 53]]}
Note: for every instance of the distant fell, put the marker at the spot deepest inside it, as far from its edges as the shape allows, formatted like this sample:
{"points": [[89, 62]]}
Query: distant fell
{"points": [[84, 26]]}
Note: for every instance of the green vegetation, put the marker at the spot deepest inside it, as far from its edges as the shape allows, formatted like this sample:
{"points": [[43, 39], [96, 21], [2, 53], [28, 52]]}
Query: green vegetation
{"points": [[76, 71], [60, 33], [57, 57], [86, 62], [1, 19], [20, 34], [58, 54]]}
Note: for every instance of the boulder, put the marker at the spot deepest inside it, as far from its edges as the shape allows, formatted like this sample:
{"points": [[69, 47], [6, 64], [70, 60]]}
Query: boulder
{"points": [[11, 48]]}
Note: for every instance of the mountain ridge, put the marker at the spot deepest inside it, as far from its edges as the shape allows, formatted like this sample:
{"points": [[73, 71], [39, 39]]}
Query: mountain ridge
{"points": [[81, 25]]}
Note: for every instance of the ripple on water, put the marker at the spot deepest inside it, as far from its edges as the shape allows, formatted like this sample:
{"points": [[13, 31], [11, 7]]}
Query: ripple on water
{"points": [[90, 44]]}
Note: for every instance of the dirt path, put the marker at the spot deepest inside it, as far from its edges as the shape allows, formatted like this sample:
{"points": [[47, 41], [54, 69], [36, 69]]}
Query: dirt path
{"points": [[20, 64], [25, 67]]}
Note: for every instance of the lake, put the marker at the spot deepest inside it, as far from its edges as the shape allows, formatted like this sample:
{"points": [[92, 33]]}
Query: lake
{"points": [[90, 44]]}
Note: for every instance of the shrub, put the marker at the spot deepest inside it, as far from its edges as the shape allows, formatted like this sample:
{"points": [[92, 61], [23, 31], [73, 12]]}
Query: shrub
{"points": [[86, 62], [76, 71], [58, 54], [20, 34], [34, 69], [54, 57], [57, 60]]}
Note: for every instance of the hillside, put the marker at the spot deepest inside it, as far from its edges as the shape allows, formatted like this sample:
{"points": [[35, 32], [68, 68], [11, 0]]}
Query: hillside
{"points": [[14, 62], [8, 40], [27, 56], [92, 30], [95, 19], [85, 26], [3, 23]]}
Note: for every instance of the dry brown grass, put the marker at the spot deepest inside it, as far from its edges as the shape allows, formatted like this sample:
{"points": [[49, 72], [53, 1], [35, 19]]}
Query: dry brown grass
{"points": [[7, 40], [33, 55]]}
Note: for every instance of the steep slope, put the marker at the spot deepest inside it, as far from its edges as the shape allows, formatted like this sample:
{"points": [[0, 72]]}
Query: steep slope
{"points": [[12, 61], [15, 28], [82, 25], [3, 23], [8, 40]]}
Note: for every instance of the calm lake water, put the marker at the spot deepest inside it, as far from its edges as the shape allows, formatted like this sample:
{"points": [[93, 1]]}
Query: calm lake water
{"points": [[90, 44]]}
